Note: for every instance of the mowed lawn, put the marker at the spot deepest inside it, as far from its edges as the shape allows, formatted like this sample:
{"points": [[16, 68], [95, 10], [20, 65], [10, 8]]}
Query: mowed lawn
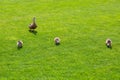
{"points": [[82, 25]]}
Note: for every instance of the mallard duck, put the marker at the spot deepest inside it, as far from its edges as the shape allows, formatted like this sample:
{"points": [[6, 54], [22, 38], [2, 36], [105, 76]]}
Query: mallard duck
{"points": [[19, 44], [33, 25], [108, 42], [57, 40]]}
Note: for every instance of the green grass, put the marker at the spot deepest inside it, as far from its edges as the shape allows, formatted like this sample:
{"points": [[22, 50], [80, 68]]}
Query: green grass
{"points": [[83, 27]]}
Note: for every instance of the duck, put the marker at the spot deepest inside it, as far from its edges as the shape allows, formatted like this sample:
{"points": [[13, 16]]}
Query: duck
{"points": [[108, 43], [19, 44], [57, 40], [33, 25]]}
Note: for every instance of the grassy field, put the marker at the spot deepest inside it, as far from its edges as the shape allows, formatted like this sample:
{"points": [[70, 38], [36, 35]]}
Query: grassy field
{"points": [[82, 25]]}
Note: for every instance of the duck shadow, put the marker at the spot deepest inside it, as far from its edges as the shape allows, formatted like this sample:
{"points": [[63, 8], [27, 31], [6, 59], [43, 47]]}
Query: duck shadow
{"points": [[57, 44], [33, 32], [110, 47], [19, 48]]}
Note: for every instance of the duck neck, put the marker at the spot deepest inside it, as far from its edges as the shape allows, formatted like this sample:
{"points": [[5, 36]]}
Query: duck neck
{"points": [[34, 20]]}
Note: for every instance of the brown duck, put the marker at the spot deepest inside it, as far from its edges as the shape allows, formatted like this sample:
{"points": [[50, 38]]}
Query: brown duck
{"points": [[19, 44], [33, 25], [57, 40], [109, 43]]}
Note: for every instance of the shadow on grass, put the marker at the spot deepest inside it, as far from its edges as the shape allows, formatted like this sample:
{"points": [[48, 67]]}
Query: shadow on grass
{"points": [[57, 44], [110, 47], [33, 32], [19, 48]]}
